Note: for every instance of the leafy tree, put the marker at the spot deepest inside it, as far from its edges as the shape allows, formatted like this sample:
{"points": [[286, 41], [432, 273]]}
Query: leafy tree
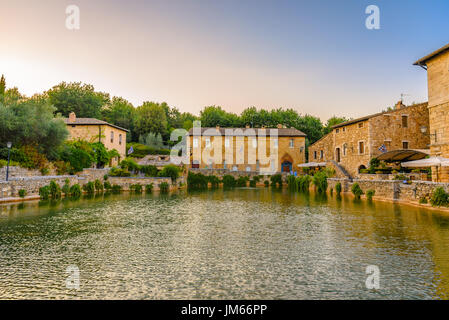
{"points": [[2, 85], [123, 114], [79, 98], [151, 117], [215, 116], [332, 122]]}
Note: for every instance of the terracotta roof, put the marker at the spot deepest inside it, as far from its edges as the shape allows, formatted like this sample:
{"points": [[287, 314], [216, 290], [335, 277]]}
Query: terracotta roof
{"points": [[91, 122], [423, 60], [375, 115], [283, 132]]}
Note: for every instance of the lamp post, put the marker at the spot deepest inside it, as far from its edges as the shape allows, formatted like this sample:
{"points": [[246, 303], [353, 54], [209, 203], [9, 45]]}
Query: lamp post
{"points": [[424, 131], [9, 145]]}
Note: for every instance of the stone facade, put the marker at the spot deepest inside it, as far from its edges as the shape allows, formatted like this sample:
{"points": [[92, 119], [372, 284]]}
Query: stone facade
{"points": [[243, 149], [94, 130], [354, 143], [437, 65]]}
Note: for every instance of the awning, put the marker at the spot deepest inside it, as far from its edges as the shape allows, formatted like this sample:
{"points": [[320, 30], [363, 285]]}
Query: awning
{"points": [[312, 164], [404, 155], [425, 163]]}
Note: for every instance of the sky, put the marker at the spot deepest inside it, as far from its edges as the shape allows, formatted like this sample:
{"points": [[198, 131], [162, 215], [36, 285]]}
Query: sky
{"points": [[316, 57]]}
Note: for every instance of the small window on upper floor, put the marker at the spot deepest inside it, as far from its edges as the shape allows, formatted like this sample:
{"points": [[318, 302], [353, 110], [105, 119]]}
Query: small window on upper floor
{"points": [[120, 139], [404, 145], [344, 129], [314, 155], [404, 121], [361, 147], [361, 125], [112, 136], [337, 130], [321, 154], [292, 143]]}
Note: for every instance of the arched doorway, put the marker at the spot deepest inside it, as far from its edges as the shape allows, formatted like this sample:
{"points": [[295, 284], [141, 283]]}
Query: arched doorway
{"points": [[287, 163], [361, 167]]}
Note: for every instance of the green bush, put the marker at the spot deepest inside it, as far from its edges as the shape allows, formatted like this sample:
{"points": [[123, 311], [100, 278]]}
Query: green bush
{"points": [[118, 172], [149, 170], [105, 177], [214, 181], [170, 171], [320, 181], [304, 183], [338, 187], [107, 185], [266, 183], [98, 186], [55, 190], [439, 197], [22, 193], [75, 191], [253, 183], [276, 180], [229, 181], [242, 182], [141, 150], [116, 188], [89, 188], [137, 188], [423, 200], [66, 187], [197, 181], [44, 171], [44, 192], [129, 164], [356, 190], [370, 194], [164, 187], [149, 188], [292, 183]]}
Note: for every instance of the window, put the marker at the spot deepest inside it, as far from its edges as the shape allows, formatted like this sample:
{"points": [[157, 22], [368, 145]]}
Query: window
{"points": [[387, 143], [321, 154], [361, 147], [292, 143], [344, 129], [361, 125], [227, 142], [275, 142], [112, 136], [404, 121], [225, 166], [404, 144], [337, 130], [120, 139], [207, 142], [254, 143], [234, 168], [195, 142], [248, 169], [344, 149], [314, 155]]}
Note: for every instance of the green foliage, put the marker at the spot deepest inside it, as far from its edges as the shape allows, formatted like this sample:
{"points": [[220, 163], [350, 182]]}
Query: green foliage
{"points": [[137, 188], [304, 183], [149, 171], [423, 200], [333, 122], [197, 181], [66, 187], [149, 188], [320, 181], [44, 171], [55, 190], [266, 183], [338, 187], [121, 113], [170, 171], [141, 150], [116, 188], [151, 117], [118, 172], [370, 194], [292, 183], [79, 154], [75, 191], [89, 188], [242, 182], [253, 183], [98, 186], [44, 192], [374, 163], [152, 140], [439, 197], [356, 190], [276, 180], [107, 185], [229, 181], [22, 193], [164, 187], [214, 181]]}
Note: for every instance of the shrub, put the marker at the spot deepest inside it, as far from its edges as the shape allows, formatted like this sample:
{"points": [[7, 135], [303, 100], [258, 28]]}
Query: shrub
{"points": [[55, 190], [149, 188], [374, 163], [292, 183], [171, 171], [107, 185], [197, 181], [252, 183], [149, 171], [44, 171], [89, 188], [242, 182], [66, 187], [164, 187], [276, 180], [44, 192], [214, 181], [338, 187], [320, 181], [370, 194], [117, 172], [98, 186], [228, 181], [137, 188], [356, 190], [141, 150], [62, 167], [304, 183], [22, 193], [75, 191], [439, 197], [423, 200], [116, 188], [266, 183], [105, 177]]}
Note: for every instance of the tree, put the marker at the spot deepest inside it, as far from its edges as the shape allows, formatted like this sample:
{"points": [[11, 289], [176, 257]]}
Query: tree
{"points": [[151, 117], [79, 98], [332, 122], [123, 114], [213, 116], [2, 85]]}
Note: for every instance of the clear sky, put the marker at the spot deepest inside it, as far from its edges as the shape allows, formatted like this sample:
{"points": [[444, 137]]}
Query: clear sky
{"points": [[314, 56]]}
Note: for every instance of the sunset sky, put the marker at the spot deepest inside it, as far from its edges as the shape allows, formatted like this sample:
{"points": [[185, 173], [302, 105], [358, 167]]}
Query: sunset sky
{"points": [[314, 56]]}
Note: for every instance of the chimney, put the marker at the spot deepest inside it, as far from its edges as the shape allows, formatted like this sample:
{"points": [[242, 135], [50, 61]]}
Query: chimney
{"points": [[72, 117], [398, 105], [280, 126]]}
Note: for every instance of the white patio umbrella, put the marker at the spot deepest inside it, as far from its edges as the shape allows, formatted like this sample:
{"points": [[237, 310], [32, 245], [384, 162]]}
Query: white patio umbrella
{"points": [[429, 162], [312, 164]]}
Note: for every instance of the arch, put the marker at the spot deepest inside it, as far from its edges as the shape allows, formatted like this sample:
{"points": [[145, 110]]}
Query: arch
{"points": [[361, 167], [286, 163]]}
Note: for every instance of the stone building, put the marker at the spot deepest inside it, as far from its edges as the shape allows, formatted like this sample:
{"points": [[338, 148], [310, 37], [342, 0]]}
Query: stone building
{"points": [[437, 66], [94, 130], [265, 150], [352, 144]]}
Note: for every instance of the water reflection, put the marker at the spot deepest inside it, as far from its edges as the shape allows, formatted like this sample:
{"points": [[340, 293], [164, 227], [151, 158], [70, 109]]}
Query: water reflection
{"points": [[247, 243]]}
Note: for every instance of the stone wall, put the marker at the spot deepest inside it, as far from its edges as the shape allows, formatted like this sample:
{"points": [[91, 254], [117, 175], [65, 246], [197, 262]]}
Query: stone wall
{"points": [[15, 171]]}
